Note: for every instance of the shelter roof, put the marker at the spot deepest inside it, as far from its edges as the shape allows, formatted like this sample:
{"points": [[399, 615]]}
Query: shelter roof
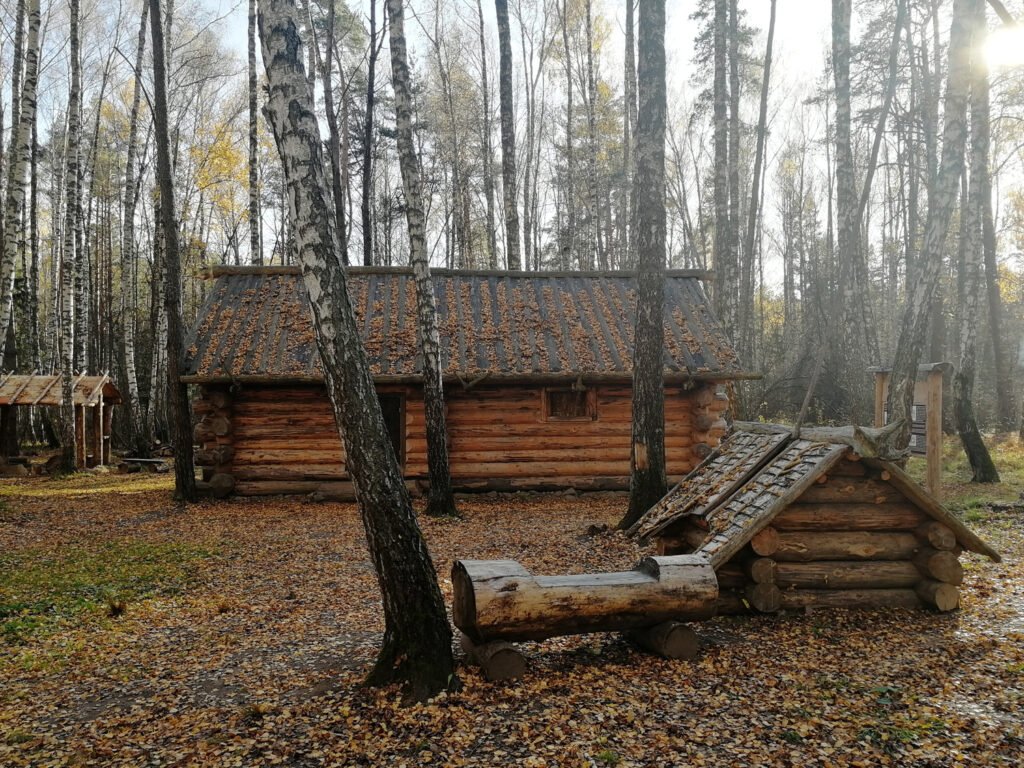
{"points": [[38, 389]]}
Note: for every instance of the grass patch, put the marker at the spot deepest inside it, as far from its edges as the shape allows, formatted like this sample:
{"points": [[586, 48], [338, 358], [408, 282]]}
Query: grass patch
{"points": [[42, 590], [85, 483]]}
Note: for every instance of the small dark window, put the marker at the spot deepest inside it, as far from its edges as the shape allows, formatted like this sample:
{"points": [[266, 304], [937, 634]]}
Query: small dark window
{"points": [[570, 404]]}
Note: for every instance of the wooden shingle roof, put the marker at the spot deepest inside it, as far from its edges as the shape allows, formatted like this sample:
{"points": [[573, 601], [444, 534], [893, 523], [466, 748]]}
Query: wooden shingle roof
{"points": [[751, 477], [256, 324], [36, 389]]}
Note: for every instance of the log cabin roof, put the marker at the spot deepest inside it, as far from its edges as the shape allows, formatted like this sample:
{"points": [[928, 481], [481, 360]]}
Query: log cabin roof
{"points": [[751, 477], [37, 389], [256, 324]]}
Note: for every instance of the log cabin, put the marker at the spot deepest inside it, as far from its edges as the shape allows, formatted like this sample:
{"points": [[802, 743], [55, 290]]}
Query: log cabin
{"points": [[819, 520], [537, 370]]}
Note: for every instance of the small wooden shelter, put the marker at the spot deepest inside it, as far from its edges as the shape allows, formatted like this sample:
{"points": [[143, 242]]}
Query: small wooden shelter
{"points": [[819, 520], [537, 369], [94, 397]]}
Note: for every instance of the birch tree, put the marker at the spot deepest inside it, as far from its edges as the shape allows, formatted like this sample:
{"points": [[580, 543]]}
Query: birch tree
{"points": [[509, 181], [440, 500], [20, 159], [647, 482], [416, 648], [922, 290], [972, 212], [181, 413], [255, 218]]}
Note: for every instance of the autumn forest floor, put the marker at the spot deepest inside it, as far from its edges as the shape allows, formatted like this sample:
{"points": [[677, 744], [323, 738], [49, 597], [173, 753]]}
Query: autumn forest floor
{"points": [[237, 633]]}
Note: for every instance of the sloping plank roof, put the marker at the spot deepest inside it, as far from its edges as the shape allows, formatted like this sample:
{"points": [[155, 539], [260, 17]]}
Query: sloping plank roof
{"points": [[732, 524], [711, 482], [256, 323], [16, 389], [741, 486]]}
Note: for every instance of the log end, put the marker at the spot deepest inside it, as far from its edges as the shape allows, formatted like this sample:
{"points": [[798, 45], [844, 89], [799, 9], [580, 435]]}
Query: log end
{"points": [[669, 639], [498, 660]]}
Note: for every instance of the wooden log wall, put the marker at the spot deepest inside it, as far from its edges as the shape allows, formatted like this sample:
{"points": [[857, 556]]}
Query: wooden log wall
{"points": [[283, 439], [214, 433], [851, 540]]}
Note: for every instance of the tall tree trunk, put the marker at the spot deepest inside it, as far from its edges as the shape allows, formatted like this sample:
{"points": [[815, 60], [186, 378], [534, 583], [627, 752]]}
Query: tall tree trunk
{"points": [[334, 136], [255, 219], [488, 151], [724, 256], [628, 130], [569, 246], [441, 500], [138, 439], [647, 482], [509, 181], [417, 638], [367, 186], [593, 187], [914, 329], [68, 270], [181, 416], [741, 283], [19, 160], [850, 329], [984, 471], [762, 131]]}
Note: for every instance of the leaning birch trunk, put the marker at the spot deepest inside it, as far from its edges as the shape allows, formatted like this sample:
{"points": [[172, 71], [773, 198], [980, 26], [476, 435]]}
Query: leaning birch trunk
{"points": [[20, 158], [647, 481], [441, 500], [137, 434], [488, 150], [508, 138], [255, 220], [181, 416], [416, 646], [69, 283], [914, 330], [971, 281]]}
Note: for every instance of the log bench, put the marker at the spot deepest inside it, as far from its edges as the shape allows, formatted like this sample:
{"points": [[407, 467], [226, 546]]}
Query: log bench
{"points": [[498, 602]]}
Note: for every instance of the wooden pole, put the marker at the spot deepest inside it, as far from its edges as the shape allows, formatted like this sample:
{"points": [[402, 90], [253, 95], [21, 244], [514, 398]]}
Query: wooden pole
{"points": [[108, 417], [933, 433], [881, 388], [97, 434], [80, 449]]}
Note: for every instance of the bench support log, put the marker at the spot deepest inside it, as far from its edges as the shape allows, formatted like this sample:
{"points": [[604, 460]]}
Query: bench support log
{"points": [[498, 660], [669, 639]]}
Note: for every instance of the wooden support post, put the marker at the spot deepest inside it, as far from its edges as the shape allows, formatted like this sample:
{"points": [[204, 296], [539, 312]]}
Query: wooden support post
{"points": [[881, 390], [97, 434], [933, 433], [669, 639], [80, 449], [108, 417], [498, 660]]}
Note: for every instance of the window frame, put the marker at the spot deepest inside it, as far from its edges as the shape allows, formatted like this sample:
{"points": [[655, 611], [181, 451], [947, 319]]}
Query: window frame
{"points": [[591, 404]]}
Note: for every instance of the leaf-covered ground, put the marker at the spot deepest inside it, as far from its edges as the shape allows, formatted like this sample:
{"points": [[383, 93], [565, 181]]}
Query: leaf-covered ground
{"points": [[236, 633]]}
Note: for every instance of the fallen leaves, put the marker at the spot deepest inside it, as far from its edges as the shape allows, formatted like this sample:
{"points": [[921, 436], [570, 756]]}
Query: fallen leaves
{"points": [[256, 657]]}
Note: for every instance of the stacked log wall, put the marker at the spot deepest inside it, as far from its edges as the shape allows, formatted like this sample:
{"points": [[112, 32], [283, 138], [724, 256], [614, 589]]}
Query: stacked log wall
{"points": [[850, 541], [283, 439], [214, 434]]}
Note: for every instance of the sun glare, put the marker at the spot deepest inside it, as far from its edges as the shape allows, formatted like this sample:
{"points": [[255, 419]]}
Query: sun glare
{"points": [[1004, 48]]}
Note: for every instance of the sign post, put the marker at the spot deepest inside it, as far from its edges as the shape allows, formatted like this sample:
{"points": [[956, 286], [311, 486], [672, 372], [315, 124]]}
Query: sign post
{"points": [[926, 416]]}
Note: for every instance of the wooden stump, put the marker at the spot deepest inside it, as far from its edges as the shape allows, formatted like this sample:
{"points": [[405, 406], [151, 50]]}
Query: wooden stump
{"points": [[498, 660], [669, 639]]}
